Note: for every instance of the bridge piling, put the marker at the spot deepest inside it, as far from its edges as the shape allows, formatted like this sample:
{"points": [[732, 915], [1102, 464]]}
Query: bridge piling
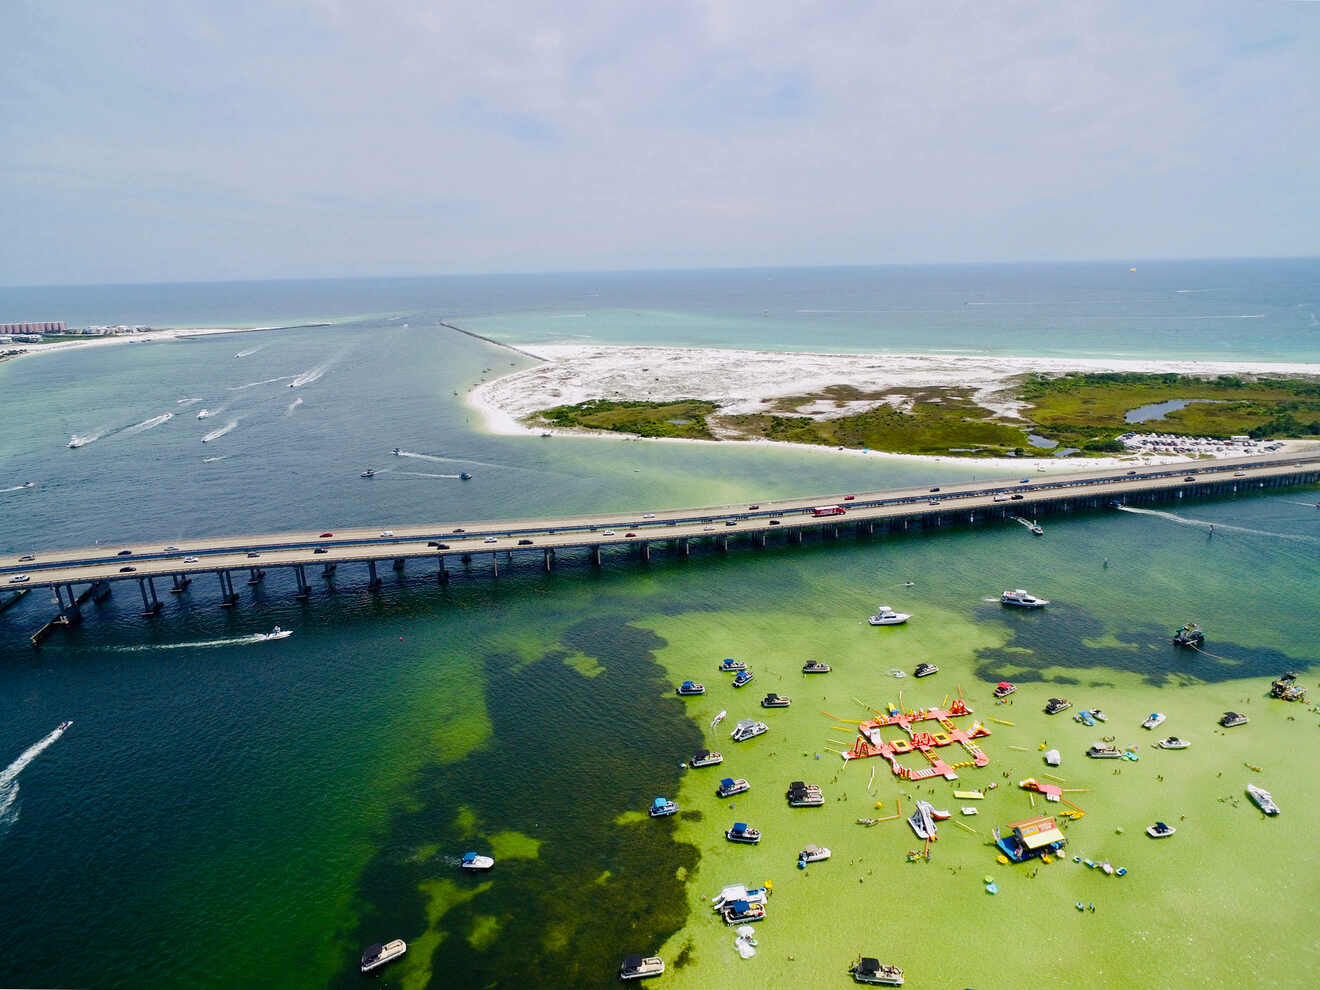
{"points": [[228, 596], [595, 555], [255, 574], [495, 562], [547, 561], [179, 583], [441, 574], [645, 546], [304, 589], [328, 572], [398, 563], [374, 581], [150, 605]]}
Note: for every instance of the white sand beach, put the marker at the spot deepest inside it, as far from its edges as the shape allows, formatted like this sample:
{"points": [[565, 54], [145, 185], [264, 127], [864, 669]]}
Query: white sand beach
{"points": [[147, 337], [740, 382]]}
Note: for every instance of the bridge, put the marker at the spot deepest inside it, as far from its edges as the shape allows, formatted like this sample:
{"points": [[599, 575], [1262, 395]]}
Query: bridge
{"points": [[677, 530]]}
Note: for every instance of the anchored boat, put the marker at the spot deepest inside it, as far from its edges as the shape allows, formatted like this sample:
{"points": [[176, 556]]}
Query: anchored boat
{"points": [[691, 688], [661, 807], [376, 956], [1189, 635], [886, 616], [705, 758], [873, 971], [748, 728], [730, 786], [637, 967], [1021, 598], [1263, 799]]}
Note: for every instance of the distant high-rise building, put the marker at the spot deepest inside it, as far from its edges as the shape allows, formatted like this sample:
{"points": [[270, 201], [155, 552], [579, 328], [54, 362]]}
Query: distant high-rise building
{"points": [[48, 327]]}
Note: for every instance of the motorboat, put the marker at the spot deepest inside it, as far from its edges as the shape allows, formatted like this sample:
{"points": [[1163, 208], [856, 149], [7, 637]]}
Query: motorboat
{"points": [[742, 912], [1232, 719], [1056, 705], [742, 832], [1085, 716], [690, 688], [729, 665], [705, 758], [816, 667], [739, 892], [1160, 830], [1173, 742], [368, 473], [873, 971], [1152, 720], [1264, 800], [803, 795], [1287, 689], [1104, 751], [277, 633], [925, 670], [473, 861], [395, 451], [742, 678], [812, 854], [661, 807], [376, 956], [886, 616], [464, 476], [1022, 599], [730, 786], [62, 726], [1037, 529], [1189, 635], [748, 728], [1004, 688], [1098, 715], [637, 967], [775, 701]]}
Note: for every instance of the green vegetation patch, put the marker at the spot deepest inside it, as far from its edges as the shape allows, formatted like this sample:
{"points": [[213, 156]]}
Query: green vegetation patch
{"points": [[684, 418], [514, 845]]}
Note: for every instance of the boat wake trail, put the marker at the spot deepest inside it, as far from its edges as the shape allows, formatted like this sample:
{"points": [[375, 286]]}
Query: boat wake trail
{"points": [[418, 474], [83, 439], [150, 424], [1308, 505], [216, 434], [307, 377], [9, 777], [264, 381], [446, 460], [16, 488], [288, 410], [189, 402], [212, 460], [203, 644], [251, 350], [1218, 527]]}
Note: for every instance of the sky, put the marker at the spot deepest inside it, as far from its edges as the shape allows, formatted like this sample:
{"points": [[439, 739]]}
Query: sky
{"points": [[179, 140]]}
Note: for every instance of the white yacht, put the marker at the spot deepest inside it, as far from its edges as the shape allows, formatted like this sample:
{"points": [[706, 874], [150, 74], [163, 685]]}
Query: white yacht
{"points": [[813, 854], [886, 616], [377, 956], [1263, 799], [1152, 720], [1173, 742], [1022, 599], [748, 728], [1160, 830], [472, 861]]}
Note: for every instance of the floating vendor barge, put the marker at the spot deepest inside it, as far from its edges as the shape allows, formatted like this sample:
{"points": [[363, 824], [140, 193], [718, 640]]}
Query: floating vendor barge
{"points": [[1030, 838], [869, 741]]}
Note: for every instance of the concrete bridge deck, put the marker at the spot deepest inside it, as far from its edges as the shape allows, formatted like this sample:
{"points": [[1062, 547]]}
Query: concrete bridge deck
{"points": [[961, 504]]}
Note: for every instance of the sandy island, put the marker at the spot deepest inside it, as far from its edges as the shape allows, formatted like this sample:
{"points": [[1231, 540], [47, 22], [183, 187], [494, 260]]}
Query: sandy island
{"points": [[740, 382], [147, 337]]}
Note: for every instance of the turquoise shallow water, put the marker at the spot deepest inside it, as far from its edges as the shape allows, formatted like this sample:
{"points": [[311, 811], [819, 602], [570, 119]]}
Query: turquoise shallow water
{"points": [[226, 812]]}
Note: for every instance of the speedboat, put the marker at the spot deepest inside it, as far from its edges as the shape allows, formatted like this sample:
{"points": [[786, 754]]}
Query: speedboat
{"points": [[464, 476], [639, 967], [812, 854], [661, 807], [748, 728], [742, 677], [925, 670], [1264, 801], [368, 473], [1232, 719], [775, 701], [873, 971], [803, 795], [1160, 831], [816, 667], [1173, 742], [705, 758], [62, 726], [886, 616], [1004, 688], [1056, 705], [472, 861], [691, 687], [395, 451], [1189, 635], [1085, 716], [741, 912], [729, 665], [1037, 530], [1103, 751], [730, 786], [1152, 720], [376, 956], [742, 832], [278, 633], [1022, 599]]}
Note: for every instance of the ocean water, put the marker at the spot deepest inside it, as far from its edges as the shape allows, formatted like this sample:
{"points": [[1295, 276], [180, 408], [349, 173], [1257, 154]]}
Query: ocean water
{"points": [[226, 811]]}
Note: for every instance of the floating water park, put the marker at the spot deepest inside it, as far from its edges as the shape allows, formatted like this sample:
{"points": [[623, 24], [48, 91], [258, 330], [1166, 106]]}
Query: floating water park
{"points": [[869, 741]]}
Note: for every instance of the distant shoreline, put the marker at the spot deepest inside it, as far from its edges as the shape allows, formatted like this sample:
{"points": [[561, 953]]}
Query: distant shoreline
{"points": [[743, 382], [148, 337]]}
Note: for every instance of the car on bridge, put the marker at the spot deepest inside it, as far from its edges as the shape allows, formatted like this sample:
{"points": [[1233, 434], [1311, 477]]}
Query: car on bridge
{"points": [[124, 553], [19, 579], [326, 536], [774, 522], [629, 536], [170, 550], [387, 533], [524, 543], [438, 546], [459, 529], [190, 560], [253, 553], [849, 498], [608, 532], [648, 515], [320, 550], [490, 539], [127, 570], [26, 557]]}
